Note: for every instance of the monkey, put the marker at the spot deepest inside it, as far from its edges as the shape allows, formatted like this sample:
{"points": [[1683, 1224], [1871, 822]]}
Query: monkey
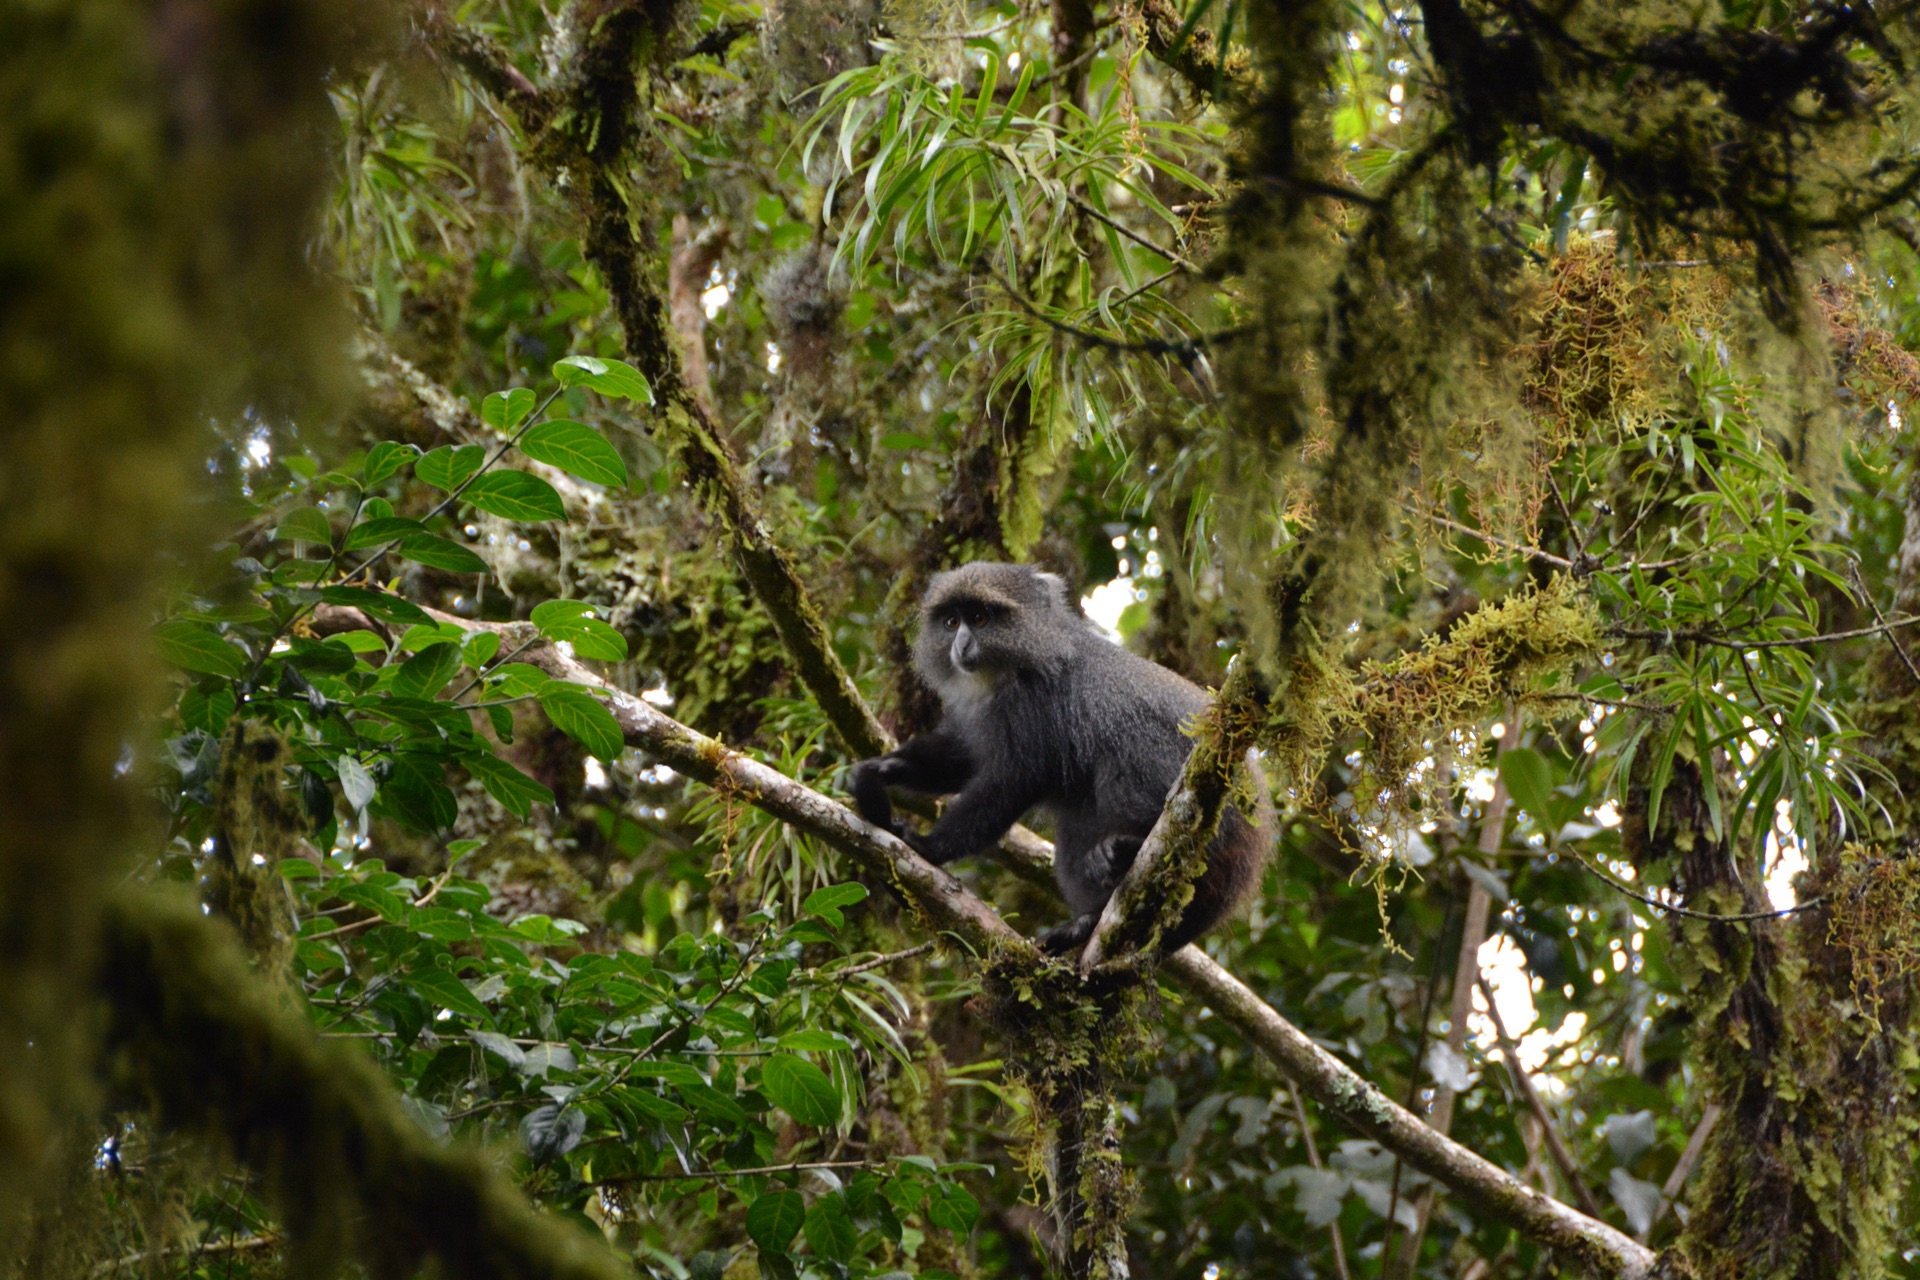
{"points": [[1039, 709]]}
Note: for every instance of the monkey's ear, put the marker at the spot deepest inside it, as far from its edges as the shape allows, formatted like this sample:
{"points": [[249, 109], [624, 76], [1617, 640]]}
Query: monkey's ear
{"points": [[1056, 584]]}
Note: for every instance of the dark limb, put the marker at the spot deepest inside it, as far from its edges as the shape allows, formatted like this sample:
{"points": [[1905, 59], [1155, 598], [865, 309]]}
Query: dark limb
{"points": [[934, 764], [975, 820]]}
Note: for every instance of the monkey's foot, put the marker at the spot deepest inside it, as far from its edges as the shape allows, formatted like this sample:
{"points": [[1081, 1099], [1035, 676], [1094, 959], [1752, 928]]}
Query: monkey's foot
{"points": [[1068, 937]]}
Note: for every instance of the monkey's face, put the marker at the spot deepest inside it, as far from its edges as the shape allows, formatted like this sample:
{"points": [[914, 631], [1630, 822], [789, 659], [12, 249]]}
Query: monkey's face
{"points": [[982, 622]]}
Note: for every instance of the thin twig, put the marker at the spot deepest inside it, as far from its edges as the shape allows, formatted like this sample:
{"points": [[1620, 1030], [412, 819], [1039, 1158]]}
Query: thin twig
{"points": [[372, 920], [1523, 1081], [1880, 618], [1683, 1167], [1313, 1158], [1093, 211], [1494, 539], [1703, 637], [880, 962], [130, 1260], [1674, 908], [764, 1170]]}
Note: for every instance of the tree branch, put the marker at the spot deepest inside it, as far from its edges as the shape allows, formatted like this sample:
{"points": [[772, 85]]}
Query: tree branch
{"points": [[588, 145], [946, 906]]}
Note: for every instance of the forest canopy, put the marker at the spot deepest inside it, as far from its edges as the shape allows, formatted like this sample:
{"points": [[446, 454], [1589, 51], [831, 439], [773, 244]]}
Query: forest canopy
{"points": [[473, 473]]}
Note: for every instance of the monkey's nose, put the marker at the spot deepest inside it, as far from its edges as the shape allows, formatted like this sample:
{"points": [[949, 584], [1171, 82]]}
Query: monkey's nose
{"points": [[964, 651]]}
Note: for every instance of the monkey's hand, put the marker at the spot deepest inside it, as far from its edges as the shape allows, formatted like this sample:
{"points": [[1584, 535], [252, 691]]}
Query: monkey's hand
{"points": [[1064, 939], [868, 782]]}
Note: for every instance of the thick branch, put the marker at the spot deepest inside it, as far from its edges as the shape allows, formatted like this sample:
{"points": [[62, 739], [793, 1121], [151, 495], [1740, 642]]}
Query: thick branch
{"points": [[949, 907], [1491, 1190], [601, 82], [218, 1052], [1196, 57]]}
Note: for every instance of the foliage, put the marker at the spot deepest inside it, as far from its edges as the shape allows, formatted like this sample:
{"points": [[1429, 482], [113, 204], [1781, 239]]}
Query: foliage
{"points": [[1392, 355]]}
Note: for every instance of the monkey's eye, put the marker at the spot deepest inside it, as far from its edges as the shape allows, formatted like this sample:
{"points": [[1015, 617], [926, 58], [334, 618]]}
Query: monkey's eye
{"points": [[953, 621], [977, 617]]}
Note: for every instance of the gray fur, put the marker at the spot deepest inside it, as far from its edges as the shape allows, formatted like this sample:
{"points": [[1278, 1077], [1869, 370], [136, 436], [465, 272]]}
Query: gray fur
{"points": [[1041, 710]]}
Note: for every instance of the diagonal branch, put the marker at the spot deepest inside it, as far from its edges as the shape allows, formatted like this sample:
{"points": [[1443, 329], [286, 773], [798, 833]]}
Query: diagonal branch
{"points": [[582, 150], [946, 906]]}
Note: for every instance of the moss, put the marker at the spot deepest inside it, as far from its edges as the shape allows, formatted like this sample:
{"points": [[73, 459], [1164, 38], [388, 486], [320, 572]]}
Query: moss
{"points": [[256, 820], [1806, 1030], [215, 1052], [1427, 704], [160, 179]]}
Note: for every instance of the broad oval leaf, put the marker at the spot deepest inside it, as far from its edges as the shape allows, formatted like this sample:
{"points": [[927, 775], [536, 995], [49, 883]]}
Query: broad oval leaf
{"points": [[609, 377], [385, 458], [515, 495], [505, 410], [377, 533], [829, 1230], [952, 1207], [306, 524], [440, 553], [379, 604], [415, 792], [551, 1131], [193, 647], [582, 717], [446, 467], [576, 449], [800, 1089], [513, 789], [445, 989], [427, 672], [774, 1220], [572, 621], [815, 1041], [826, 902], [355, 782], [1529, 780]]}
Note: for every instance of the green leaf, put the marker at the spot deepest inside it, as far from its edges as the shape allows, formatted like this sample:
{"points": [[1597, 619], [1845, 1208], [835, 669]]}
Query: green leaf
{"points": [[513, 789], [580, 716], [826, 903], [416, 793], [1529, 780], [516, 680], [815, 1041], [951, 1207], [355, 782], [207, 710], [194, 647], [800, 1089], [609, 377], [444, 989], [440, 553], [427, 672], [774, 1220], [573, 621], [505, 410], [376, 533], [576, 449], [446, 467], [479, 648], [380, 604], [384, 459], [306, 524], [829, 1230], [515, 495]]}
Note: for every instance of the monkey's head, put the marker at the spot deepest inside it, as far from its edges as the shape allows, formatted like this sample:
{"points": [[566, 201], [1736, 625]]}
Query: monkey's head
{"points": [[983, 622]]}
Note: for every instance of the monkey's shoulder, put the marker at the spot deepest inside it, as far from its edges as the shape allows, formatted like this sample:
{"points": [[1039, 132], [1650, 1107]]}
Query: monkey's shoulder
{"points": [[1115, 678]]}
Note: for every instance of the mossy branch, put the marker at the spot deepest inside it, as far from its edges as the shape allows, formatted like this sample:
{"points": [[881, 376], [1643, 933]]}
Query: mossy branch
{"points": [[602, 79], [944, 905], [217, 1051]]}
